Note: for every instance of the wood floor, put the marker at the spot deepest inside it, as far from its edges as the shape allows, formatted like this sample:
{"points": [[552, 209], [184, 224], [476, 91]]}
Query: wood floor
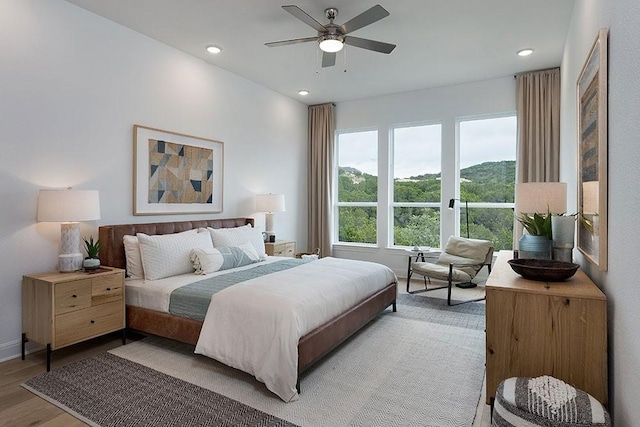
{"points": [[19, 407]]}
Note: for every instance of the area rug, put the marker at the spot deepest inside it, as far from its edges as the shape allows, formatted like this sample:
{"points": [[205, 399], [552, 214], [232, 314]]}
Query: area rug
{"points": [[421, 366]]}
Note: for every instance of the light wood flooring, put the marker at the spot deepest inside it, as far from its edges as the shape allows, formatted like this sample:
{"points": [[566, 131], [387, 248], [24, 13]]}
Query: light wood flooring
{"points": [[19, 407]]}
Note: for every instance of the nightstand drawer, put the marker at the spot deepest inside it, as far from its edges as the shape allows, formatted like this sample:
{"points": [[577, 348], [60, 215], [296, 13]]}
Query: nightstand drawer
{"points": [[284, 248], [106, 289], [289, 249], [82, 324], [71, 296]]}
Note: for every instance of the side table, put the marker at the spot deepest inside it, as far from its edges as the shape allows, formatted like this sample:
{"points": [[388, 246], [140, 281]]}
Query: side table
{"points": [[416, 255]]}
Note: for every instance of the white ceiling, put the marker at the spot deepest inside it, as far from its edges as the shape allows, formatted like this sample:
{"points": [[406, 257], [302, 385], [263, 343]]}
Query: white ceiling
{"points": [[439, 42]]}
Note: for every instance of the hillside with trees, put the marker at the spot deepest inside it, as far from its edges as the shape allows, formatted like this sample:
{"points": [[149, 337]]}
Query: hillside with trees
{"points": [[490, 182]]}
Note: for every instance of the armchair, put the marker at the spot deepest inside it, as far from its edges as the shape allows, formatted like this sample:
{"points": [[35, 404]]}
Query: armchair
{"points": [[460, 262]]}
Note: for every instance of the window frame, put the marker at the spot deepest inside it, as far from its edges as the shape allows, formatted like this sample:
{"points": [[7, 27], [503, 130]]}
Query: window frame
{"points": [[392, 204], [336, 204], [456, 183]]}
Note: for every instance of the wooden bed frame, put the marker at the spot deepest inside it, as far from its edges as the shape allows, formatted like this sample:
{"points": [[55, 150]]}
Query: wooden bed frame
{"points": [[311, 347]]}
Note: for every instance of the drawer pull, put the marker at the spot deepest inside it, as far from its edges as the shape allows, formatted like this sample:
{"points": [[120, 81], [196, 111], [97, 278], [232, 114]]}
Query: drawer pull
{"points": [[93, 321], [108, 289], [74, 296]]}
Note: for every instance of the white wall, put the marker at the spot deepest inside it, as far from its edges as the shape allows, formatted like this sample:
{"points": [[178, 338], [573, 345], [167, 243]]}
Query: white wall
{"points": [[443, 105], [620, 282], [73, 85]]}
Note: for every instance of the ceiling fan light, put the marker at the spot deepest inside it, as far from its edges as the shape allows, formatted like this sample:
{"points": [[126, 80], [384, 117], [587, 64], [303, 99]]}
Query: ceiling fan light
{"points": [[331, 45]]}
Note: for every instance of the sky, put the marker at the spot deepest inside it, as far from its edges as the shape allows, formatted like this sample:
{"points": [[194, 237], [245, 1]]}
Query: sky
{"points": [[418, 149]]}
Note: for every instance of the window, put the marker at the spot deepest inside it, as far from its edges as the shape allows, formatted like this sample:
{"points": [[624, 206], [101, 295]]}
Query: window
{"points": [[487, 178], [357, 187], [416, 185]]}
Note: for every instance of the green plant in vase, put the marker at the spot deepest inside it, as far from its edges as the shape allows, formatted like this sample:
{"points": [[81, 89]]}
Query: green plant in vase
{"points": [[537, 244], [92, 247], [537, 225]]}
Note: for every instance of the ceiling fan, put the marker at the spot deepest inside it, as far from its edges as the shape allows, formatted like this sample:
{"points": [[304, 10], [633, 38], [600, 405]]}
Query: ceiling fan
{"points": [[332, 37]]}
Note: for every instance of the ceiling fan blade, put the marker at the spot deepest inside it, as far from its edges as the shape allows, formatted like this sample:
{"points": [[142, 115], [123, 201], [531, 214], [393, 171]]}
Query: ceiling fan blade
{"points": [[328, 59], [367, 17], [369, 44], [304, 17], [293, 41]]}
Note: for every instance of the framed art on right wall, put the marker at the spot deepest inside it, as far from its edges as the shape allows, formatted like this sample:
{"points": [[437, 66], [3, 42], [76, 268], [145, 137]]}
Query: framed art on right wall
{"points": [[592, 153]]}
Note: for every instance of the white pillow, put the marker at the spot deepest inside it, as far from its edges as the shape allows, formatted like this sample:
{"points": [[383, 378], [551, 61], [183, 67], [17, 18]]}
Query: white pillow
{"points": [[250, 251], [221, 258], [229, 237], [167, 255], [132, 257], [205, 262]]}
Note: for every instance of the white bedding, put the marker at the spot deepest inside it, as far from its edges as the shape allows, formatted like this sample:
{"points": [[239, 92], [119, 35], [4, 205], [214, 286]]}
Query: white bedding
{"points": [[156, 294], [255, 326]]}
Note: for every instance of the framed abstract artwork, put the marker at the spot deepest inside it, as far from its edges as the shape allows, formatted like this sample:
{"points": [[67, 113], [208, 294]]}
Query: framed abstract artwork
{"points": [[592, 154], [175, 173]]}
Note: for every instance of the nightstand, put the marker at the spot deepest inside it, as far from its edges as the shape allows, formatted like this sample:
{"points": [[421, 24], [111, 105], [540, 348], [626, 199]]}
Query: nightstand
{"points": [[61, 309], [281, 248]]}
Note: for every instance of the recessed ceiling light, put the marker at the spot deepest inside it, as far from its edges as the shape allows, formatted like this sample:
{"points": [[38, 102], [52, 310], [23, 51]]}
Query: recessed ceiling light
{"points": [[303, 92], [525, 52], [213, 49]]}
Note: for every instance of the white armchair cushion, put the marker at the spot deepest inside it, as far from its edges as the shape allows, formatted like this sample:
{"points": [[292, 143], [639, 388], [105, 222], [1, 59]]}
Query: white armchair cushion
{"points": [[440, 272], [466, 255], [474, 250]]}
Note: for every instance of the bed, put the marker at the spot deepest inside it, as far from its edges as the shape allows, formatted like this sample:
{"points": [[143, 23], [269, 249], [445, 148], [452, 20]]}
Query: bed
{"points": [[311, 347]]}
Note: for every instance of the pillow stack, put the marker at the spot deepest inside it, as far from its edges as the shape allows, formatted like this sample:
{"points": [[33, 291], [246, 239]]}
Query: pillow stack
{"points": [[205, 250]]}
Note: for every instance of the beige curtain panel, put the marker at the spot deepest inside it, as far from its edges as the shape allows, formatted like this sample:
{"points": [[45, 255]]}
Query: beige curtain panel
{"points": [[321, 135], [538, 110]]}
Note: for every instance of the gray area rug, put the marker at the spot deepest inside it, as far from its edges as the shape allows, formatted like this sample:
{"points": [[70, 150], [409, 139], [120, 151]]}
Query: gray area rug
{"points": [[421, 366], [107, 390]]}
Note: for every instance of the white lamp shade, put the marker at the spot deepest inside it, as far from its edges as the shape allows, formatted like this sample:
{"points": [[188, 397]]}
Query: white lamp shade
{"points": [[68, 205], [540, 197], [270, 203]]}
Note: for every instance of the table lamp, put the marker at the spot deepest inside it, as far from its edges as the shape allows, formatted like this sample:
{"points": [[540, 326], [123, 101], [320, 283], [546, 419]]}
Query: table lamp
{"points": [[269, 203], [68, 207]]}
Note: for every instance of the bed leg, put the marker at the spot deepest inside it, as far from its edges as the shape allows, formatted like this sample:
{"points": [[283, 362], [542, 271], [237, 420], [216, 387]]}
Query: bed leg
{"points": [[394, 305], [298, 384]]}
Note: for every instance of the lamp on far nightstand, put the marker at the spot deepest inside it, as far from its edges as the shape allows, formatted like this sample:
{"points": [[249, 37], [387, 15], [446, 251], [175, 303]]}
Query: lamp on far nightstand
{"points": [[269, 203], [68, 207]]}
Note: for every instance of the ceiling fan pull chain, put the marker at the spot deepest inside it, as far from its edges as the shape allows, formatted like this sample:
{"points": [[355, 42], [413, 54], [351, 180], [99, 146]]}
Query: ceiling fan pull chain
{"points": [[345, 59]]}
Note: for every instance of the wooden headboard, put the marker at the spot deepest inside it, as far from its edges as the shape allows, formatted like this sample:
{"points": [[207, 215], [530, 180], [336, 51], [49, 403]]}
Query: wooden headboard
{"points": [[112, 247]]}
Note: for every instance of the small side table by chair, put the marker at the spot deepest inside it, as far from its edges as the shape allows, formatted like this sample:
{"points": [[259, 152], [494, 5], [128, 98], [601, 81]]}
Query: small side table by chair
{"points": [[419, 254]]}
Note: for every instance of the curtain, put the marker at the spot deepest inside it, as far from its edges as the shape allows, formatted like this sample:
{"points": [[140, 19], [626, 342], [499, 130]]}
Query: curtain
{"points": [[538, 111], [321, 135], [538, 146]]}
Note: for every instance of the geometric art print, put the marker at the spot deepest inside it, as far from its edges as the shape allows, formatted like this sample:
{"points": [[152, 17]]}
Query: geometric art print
{"points": [[180, 173]]}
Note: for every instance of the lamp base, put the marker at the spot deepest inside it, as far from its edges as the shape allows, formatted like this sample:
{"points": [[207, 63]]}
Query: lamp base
{"points": [[68, 263]]}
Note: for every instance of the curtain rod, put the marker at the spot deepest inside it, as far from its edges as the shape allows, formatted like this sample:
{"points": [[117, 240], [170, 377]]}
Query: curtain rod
{"points": [[515, 76]]}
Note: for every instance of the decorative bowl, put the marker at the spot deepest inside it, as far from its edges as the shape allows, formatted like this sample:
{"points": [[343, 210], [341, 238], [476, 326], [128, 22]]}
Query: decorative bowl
{"points": [[544, 270]]}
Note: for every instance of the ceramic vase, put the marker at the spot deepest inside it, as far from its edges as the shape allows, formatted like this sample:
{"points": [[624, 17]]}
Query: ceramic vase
{"points": [[91, 263], [534, 247]]}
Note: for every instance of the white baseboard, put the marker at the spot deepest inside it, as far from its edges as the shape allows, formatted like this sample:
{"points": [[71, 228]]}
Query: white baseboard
{"points": [[13, 350]]}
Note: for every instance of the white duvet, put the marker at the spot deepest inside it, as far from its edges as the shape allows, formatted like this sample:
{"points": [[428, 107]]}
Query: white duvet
{"points": [[255, 326]]}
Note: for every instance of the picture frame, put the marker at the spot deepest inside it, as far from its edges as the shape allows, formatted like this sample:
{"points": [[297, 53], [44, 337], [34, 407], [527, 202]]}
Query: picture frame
{"points": [[175, 173], [591, 90]]}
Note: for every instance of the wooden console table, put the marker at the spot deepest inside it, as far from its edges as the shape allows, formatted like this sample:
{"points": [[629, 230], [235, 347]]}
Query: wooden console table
{"points": [[543, 328]]}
